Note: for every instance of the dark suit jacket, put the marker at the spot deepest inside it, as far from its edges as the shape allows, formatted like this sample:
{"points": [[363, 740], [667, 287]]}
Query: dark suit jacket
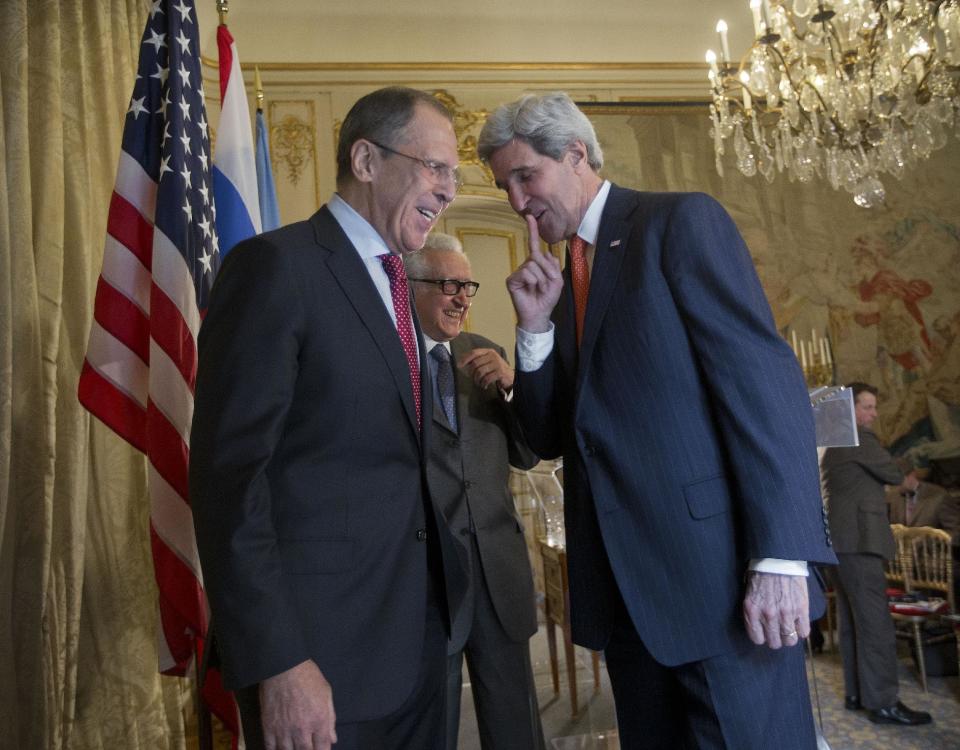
{"points": [[469, 474], [307, 473], [685, 427], [853, 484]]}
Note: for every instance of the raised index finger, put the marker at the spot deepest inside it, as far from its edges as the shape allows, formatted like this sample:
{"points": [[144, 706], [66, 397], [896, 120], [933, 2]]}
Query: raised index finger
{"points": [[543, 260]]}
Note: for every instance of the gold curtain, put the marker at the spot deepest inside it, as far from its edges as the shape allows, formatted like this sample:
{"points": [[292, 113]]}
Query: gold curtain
{"points": [[78, 654]]}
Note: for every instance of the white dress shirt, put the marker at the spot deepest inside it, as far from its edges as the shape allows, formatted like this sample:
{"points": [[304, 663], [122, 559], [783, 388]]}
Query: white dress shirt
{"points": [[369, 246]]}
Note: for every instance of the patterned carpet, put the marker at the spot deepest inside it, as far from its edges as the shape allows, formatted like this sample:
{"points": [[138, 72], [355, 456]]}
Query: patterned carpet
{"points": [[851, 730], [592, 728]]}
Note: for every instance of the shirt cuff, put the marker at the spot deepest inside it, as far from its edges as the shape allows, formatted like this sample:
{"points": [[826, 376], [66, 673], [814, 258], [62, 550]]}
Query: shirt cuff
{"points": [[533, 349], [781, 567]]}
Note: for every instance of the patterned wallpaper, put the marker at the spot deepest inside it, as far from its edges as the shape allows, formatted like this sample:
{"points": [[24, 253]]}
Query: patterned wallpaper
{"points": [[884, 283]]}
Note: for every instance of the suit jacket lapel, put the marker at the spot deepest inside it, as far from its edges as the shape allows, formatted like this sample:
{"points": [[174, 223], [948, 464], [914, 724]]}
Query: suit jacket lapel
{"points": [[607, 259], [352, 276], [460, 347]]}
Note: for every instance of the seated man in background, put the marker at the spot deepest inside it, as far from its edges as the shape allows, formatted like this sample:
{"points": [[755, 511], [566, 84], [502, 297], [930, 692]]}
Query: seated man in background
{"points": [[476, 438], [928, 505], [853, 481]]}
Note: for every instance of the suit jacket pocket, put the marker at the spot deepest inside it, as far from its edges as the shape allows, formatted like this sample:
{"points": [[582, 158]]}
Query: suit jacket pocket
{"points": [[321, 555], [707, 497]]}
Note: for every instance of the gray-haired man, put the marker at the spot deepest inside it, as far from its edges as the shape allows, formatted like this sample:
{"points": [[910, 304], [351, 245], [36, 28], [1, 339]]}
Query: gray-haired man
{"points": [[654, 367]]}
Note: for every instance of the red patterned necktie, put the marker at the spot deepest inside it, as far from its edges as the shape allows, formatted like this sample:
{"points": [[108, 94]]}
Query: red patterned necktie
{"points": [[400, 294], [580, 278]]}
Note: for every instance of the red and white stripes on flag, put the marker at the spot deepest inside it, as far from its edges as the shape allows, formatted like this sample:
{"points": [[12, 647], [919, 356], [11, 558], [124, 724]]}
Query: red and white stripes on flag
{"points": [[160, 258]]}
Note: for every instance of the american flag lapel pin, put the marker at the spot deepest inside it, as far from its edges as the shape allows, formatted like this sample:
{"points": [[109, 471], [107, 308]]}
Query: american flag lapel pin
{"points": [[615, 243]]}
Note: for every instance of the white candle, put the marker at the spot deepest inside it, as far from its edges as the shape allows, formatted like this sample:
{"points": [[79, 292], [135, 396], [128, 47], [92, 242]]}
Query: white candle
{"points": [[712, 61], [793, 338], [757, 23], [823, 350], [767, 15], [829, 355], [803, 354], [724, 44], [745, 80]]}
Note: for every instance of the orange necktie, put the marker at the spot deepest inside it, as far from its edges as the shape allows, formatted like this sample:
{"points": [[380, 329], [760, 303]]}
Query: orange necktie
{"points": [[580, 276]]}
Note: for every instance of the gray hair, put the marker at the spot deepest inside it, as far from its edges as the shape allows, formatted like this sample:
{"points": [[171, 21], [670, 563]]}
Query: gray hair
{"points": [[381, 116], [549, 124], [416, 263]]}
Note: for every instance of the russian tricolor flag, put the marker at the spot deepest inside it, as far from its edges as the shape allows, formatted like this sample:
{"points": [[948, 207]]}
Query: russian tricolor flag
{"points": [[234, 171]]}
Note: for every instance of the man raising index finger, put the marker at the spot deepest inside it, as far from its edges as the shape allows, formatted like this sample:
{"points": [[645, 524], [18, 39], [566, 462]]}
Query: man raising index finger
{"points": [[692, 503]]}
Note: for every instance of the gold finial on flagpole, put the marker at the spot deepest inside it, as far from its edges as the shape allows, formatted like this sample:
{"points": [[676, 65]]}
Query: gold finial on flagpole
{"points": [[223, 7], [258, 85]]}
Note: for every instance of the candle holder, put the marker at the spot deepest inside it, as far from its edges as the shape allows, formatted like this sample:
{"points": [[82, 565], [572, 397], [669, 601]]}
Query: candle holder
{"points": [[818, 375]]}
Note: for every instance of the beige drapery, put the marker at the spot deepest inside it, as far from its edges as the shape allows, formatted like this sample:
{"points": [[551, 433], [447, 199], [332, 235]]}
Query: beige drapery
{"points": [[78, 655]]}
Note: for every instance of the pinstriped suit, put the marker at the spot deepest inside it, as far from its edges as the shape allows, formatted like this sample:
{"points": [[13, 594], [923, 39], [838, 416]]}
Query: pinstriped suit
{"points": [[688, 448]]}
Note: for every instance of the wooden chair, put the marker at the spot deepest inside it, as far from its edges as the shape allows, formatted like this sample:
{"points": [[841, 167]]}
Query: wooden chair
{"points": [[928, 569], [897, 569]]}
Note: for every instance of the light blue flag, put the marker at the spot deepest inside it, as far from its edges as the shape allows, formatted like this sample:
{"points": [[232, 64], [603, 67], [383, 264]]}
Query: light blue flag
{"points": [[269, 211]]}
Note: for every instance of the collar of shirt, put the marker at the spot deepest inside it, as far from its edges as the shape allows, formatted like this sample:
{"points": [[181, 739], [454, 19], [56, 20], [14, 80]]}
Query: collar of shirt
{"points": [[361, 234], [368, 244], [590, 226], [429, 343]]}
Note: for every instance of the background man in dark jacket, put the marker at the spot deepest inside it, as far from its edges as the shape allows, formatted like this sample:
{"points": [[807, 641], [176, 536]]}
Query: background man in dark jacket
{"points": [[854, 480]]}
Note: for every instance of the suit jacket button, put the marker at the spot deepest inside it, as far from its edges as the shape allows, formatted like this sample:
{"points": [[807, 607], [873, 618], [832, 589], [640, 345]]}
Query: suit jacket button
{"points": [[467, 485], [421, 535], [464, 531]]}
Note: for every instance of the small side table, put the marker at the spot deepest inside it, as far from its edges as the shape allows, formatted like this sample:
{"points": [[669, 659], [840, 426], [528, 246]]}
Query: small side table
{"points": [[557, 607]]}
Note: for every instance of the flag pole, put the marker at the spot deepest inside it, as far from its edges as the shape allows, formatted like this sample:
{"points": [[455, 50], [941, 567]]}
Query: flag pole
{"points": [[258, 85], [204, 718], [223, 7]]}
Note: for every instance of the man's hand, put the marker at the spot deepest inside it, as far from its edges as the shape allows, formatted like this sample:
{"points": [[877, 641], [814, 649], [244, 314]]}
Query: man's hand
{"points": [[776, 609], [487, 367], [296, 707], [536, 285]]}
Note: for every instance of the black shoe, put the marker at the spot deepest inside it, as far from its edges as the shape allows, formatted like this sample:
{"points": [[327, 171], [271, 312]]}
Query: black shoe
{"points": [[852, 703], [899, 714]]}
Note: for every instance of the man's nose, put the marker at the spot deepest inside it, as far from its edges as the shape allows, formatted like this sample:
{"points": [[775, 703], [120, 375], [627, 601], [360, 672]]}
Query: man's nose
{"points": [[517, 198], [446, 191]]}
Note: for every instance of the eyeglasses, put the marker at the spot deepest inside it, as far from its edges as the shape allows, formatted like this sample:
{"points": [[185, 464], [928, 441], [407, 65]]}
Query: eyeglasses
{"points": [[439, 171], [451, 287]]}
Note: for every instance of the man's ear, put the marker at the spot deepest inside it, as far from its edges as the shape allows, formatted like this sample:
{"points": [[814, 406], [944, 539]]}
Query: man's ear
{"points": [[578, 156], [362, 161]]}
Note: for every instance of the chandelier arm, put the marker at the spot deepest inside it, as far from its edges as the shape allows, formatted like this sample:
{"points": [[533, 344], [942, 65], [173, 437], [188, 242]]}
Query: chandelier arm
{"points": [[833, 38], [786, 71]]}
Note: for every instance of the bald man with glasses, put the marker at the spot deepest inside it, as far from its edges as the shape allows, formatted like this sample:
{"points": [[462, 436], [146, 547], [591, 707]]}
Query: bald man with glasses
{"points": [[476, 439]]}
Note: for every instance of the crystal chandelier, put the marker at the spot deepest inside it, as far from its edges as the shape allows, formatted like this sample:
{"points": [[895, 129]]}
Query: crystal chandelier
{"points": [[846, 91]]}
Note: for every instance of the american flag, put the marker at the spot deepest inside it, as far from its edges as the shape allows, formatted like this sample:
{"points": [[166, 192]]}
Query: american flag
{"points": [[159, 262]]}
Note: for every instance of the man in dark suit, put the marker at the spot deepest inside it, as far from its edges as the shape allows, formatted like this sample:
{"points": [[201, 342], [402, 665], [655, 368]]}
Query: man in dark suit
{"points": [[476, 439], [853, 481], [331, 574], [653, 365]]}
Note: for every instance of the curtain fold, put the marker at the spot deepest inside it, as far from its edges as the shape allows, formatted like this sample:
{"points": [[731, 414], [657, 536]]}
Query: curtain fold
{"points": [[78, 612]]}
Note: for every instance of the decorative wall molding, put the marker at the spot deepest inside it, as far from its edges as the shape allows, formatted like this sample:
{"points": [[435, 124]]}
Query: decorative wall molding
{"points": [[293, 143]]}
